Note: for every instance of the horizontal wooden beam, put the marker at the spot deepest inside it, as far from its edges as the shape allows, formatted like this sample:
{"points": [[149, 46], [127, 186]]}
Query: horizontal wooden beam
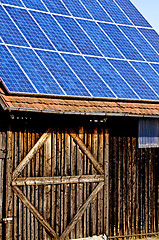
{"points": [[33, 210], [81, 210], [86, 151], [57, 180], [30, 155]]}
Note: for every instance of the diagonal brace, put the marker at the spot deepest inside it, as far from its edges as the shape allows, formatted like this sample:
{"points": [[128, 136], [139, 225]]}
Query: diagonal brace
{"points": [[30, 155], [86, 151], [33, 210], [81, 210]]}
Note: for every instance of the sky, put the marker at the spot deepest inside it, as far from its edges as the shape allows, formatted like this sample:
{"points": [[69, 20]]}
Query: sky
{"points": [[150, 10]]}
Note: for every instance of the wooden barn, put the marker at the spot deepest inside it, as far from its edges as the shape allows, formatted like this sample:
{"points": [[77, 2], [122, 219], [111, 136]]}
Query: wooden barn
{"points": [[79, 120]]}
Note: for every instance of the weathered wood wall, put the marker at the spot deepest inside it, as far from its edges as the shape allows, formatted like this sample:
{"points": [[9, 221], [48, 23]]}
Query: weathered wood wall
{"points": [[134, 181], [130, 208]]}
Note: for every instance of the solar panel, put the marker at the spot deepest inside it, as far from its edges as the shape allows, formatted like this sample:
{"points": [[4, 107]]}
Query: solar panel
{"points": [[89, 48]]}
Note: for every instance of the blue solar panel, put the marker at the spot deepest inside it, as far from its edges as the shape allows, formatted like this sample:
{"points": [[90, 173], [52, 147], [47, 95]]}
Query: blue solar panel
{"points": [[133, 14], [114, 11], [56, 6], [78, 48], [100, 39], [13, 2], [112, 78], [121, 41], [96, 11], [134, 79], [140, 43], [34, 4], [64, 75], [54, 32], [29, 28], [12, 75], [151, 36], [91, 80], [151, 77], [81, 40], [77, 9], [9, 32], [36, 71]]}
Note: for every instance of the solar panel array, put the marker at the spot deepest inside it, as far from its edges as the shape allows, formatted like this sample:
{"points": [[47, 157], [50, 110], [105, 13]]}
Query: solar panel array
{"points": [[89, 48]]}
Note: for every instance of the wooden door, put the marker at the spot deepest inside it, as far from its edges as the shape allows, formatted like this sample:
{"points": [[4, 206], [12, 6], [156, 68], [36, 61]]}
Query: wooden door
{"points": [[55, 183]]}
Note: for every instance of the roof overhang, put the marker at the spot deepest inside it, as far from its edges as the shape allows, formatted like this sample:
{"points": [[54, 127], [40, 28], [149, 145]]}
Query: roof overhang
{"points": [[78, 106]]}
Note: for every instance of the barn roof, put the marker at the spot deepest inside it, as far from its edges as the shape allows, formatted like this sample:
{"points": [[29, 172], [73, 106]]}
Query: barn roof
{"points": [[100, 107], [103, 52]]}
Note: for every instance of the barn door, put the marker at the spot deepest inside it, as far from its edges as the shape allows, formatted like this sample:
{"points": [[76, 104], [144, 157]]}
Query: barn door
{"points": [[69, 149]]}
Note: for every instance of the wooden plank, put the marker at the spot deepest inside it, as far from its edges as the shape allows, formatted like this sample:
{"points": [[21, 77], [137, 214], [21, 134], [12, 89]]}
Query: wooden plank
{"points": [[63, 195], [81, 210], [100, 194], [106, 182], [35, 212], [73, 186], [79, 197], [9, 193], [24, 187], [58, 187], [28, 191], [94, 206], [86, 151], [2, 157], [67, 186], [53, 172], [33, 140], [30, 155]]}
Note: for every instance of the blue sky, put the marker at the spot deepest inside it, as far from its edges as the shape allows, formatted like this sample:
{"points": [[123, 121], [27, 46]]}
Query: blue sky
{"points": [[150, 10]]}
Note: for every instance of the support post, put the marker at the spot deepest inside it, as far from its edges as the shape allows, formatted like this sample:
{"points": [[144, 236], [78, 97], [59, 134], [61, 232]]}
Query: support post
{"points": [[106, 183]]}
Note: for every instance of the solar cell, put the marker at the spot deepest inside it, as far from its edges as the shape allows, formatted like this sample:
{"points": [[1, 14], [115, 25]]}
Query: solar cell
{"points": [[140, 43], [60, 70], [56, 6], [12, 75], [121, 41], [100, 39], [9, 32], [91, 80], [156, 67], [112, 78], [34, 4], [152, 36], [133, 14], [54, 32], [29, 28], [149, 74], [114, 11], [96, 11], [36, 71], [78, 36], [134, 79], [12, 2], [77, 9]]}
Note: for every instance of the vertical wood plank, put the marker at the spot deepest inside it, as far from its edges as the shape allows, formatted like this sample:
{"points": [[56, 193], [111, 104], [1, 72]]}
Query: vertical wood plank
{"points": [[47, 172], [124, 186], [24, 172], [93, 171], [28, 191], [53, 173], [58, 187], [73, 186], [106, 184], [9, 193], [2, 157], [100, 194], [79, 186], [67, 186]]}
